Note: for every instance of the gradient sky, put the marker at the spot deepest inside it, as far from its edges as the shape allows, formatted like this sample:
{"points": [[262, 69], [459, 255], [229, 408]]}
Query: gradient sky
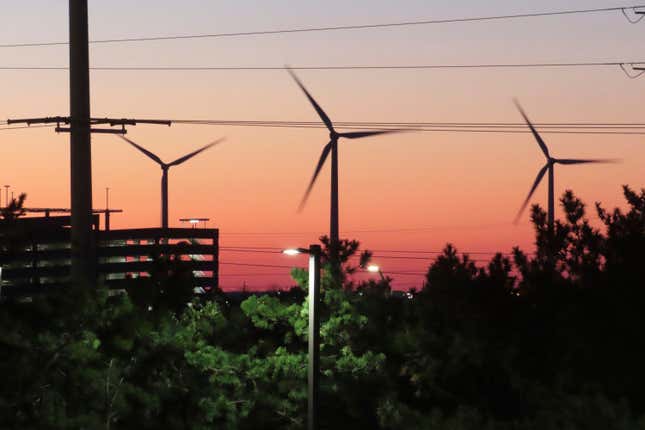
{"points": [[400, 192]]}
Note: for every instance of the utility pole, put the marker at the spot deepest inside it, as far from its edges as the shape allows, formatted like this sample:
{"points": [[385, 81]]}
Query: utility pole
{"points": [[83, 251], [80, 129]]}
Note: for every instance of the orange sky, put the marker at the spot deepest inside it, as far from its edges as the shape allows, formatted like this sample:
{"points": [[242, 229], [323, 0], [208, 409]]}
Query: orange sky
{"points": [[414, 191]]}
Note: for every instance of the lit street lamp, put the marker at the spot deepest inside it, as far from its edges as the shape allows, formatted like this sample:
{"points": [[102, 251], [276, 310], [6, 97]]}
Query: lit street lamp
{"points": [[373, 268], [313, 371], [195, 221]]}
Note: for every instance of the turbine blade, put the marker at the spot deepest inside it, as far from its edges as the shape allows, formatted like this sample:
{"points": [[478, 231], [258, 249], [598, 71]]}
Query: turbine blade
{"points": [[144, 150], [539, 177], [321, 163], [192, 154], [361, 134], [321, 113], [587, 161], [533, 130]]}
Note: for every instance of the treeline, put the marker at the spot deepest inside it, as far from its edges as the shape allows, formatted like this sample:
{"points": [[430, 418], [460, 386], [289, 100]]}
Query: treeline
{"points": [[551, 340]]}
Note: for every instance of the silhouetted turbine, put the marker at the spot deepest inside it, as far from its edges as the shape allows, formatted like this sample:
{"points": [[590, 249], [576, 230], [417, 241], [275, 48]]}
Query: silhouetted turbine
{"points": [[550, 163], [332, 147], [164, 175]]}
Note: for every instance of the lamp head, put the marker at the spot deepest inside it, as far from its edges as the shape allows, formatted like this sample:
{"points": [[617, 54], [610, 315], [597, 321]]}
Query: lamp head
{"points": [[373, 268]]}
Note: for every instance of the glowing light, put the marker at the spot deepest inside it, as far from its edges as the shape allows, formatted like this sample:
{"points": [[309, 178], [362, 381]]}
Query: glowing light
{"points": [[291, 251], [373, 268]]}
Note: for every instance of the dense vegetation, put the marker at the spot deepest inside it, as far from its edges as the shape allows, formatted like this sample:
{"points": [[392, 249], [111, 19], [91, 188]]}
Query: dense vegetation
{"points": [[550, 340]]}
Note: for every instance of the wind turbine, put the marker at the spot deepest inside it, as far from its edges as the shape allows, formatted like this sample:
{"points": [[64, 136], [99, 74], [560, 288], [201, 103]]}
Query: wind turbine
{"points": [[164, 176], [549, 166], [331, 147]]}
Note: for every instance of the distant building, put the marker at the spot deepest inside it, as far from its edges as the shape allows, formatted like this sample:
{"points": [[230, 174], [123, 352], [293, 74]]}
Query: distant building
{"points": [[35, 254]]}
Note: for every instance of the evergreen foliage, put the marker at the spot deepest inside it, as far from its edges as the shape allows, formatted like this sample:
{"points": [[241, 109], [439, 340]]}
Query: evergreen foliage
{"points": [[549, 340]]}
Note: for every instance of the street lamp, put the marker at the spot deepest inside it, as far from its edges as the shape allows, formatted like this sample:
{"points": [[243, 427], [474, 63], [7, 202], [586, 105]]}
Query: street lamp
{"points": [[373, 268], [195, 221], [313, 371]]}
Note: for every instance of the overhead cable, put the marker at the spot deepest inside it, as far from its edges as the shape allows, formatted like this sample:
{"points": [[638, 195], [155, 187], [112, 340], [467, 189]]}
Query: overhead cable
{"points": [[635, 9]]}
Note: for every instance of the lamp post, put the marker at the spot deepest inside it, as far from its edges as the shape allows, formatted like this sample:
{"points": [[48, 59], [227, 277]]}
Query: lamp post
{"points": [[313, 371]]}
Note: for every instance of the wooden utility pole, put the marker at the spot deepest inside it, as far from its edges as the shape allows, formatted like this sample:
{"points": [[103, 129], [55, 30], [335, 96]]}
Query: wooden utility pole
{"points": [[83, 250]]}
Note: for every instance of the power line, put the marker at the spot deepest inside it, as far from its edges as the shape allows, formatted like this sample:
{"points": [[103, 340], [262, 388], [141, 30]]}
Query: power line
{"points": [[399, 230], [278, 250], [258, 251], [26, 126], [622, 132], [399, 124], [418, 123], [589, 128], [447, 127], [444, 130], [335, 27], [501, 128], [331, 68], [442, 252], [257, 265], [275, 274], [431, 258], [282, 274], [406, 273]]}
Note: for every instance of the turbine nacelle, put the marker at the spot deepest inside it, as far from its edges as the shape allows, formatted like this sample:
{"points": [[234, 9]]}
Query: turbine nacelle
{"points": [[164, 168], [550, 162], [334, 136]]}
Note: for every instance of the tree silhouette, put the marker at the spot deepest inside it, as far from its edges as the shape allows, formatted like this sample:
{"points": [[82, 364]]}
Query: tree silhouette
{"points": [[543, 340], [14, 209]]}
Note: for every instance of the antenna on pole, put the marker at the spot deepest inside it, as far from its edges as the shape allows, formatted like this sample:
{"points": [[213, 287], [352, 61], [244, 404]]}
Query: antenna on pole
{"points": [[6, 195], [107, 208]]}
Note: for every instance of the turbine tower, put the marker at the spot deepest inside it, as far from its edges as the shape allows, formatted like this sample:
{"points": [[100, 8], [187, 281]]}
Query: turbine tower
{"points": [[549, 166], [331, 147], [164, 176]]}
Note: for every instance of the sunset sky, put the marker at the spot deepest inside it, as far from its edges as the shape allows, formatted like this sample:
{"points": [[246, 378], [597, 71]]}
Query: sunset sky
{"points": [[413, 191]]}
